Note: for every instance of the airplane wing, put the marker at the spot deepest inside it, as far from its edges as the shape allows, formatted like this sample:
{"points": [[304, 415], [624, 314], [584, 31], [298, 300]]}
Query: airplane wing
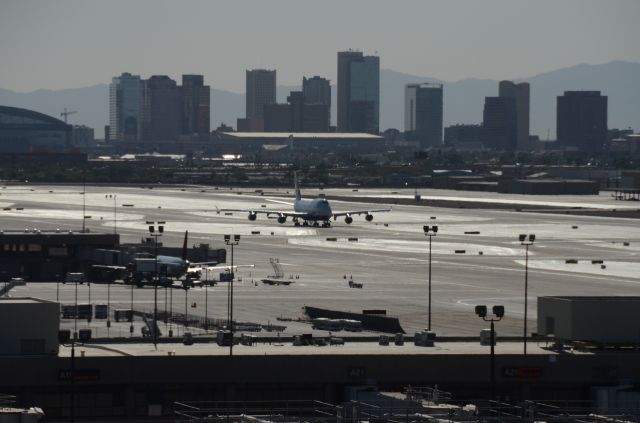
{"points": [[278, 213], [359, 212], [107, 267], [224, 268]]}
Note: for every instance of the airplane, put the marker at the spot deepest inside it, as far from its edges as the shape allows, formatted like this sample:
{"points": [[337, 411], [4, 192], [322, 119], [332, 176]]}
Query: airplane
{"points": [[310, 210], [208, 273], [145, 269]]}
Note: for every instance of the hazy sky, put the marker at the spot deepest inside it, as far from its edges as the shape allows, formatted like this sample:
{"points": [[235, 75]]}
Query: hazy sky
{"points": [[75, 43]]}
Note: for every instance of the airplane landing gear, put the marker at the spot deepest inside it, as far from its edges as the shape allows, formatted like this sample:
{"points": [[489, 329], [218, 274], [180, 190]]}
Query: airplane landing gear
{"points": [[316, 224], [305, 223], [326, 224]]}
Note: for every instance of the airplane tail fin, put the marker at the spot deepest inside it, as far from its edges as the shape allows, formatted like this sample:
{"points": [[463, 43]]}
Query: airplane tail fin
{"points": [[297, 187], [184, 245]]}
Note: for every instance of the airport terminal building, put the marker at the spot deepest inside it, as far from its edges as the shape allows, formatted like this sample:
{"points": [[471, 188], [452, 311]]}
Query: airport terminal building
{"points": [[291, 142]]}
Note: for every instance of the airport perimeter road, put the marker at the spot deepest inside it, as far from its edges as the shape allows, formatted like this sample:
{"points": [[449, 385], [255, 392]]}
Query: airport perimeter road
{"points": [[477, 258]]}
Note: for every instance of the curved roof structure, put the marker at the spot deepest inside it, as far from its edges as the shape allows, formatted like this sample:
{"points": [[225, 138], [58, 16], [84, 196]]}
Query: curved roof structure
{"points": [[15, 116]]}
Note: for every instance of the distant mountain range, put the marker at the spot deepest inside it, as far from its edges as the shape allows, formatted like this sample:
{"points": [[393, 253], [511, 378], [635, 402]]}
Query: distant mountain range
{"points": [[463, 100]]}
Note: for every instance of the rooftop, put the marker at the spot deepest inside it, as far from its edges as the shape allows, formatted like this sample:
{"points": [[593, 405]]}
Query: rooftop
{"points": [[304, 135]]}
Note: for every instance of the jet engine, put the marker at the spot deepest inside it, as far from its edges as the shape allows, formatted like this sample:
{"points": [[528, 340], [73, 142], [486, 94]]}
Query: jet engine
{"points": [[282, 219], [252, 216], [348, 220], [369, 217]]}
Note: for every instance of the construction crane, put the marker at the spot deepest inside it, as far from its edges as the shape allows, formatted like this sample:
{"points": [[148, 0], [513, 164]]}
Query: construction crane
{"points": [[66, 113]]}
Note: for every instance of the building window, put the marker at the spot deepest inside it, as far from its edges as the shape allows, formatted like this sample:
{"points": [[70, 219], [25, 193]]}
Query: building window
{"points": [[34, 247]]}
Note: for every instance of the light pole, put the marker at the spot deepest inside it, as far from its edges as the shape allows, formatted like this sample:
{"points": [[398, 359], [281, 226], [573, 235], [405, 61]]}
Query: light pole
{"points": [[171, 312], [232, 241], [108, 305], [131, 311], [430, 231], [186, 309], [206, 300], [155, 235], [526, 240], [498, 311], [84, 201], [73, 358], [115, 218], [90, 307]]}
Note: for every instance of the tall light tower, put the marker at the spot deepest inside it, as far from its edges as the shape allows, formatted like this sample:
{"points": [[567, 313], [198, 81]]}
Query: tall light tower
{"points": [[498, 311], [430, 231], [115, 217], [232, 241], [526, 240], [155, 234]]}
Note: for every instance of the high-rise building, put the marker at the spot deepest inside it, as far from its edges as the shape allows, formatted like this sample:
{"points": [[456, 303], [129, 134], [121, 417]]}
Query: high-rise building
{"points": [[457, 135], [260, 90], [582, 120], [358, 92], [316, 90], [161, 111], [499, 123], [296, 115], [423, 113], [196, 105], [521, 94], [125, 108]]}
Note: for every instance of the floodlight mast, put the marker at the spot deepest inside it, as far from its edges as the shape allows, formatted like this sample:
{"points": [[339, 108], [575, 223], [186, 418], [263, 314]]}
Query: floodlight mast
{"points": [[232, 241], [429, 231], [498, 312], [526, 240], [152, 231]]}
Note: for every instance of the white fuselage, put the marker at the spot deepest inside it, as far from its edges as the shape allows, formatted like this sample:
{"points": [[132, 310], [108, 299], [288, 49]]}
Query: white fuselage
{"points": [[314, 209]]}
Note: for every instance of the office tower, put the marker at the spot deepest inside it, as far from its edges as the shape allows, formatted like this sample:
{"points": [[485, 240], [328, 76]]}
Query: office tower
{"points": [[358, 92], [261, 90], [161, 109], [499, 123], [315, 117], [521, 94], [277, 117], [297, 100], [196, 105], [125, 108], [582, 120], [423, 113], [296, 115], [316, 90], [463, 134]]}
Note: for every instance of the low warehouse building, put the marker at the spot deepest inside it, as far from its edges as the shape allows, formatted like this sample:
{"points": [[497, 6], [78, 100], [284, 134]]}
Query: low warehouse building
{"points": [[37, 331], [548, 186], [602, 320], [48, 255]]}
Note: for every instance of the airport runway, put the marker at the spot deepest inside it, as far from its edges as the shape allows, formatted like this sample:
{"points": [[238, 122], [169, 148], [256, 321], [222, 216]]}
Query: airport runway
{"points": [[390, 256]]}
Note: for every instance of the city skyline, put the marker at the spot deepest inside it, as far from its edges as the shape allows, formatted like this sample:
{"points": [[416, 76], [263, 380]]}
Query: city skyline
{"points": [[542, 36]]}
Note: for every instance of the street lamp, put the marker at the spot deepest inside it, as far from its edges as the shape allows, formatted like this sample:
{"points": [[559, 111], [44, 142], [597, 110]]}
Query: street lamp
{"points": [[526, 240], [73, 357], [206, 299], [171, 312], [498, 311], [131, 311], [155, 234], [232, 241], [186, 309], [115, 219], [430, 231]]}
